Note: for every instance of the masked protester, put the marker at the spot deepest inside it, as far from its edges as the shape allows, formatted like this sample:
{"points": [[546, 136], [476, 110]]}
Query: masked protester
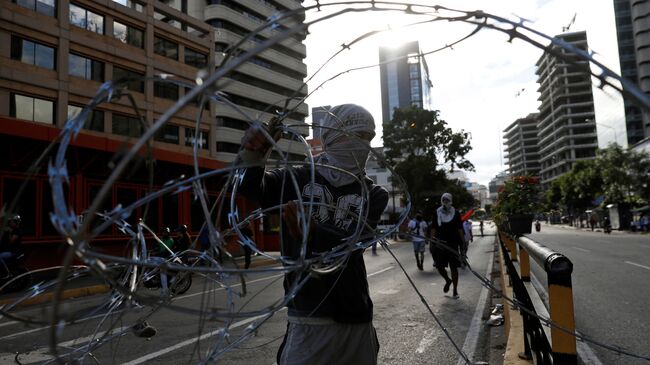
{"points": [[448, 228], [330, 317]]}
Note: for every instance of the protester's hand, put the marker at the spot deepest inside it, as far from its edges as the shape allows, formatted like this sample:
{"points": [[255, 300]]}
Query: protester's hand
{"points": [[291, 218], [255, 139]]}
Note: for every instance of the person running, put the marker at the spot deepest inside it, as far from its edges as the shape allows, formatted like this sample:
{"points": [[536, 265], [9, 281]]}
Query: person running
{"points": [[448, 228], [330, 316], [418, 229]]}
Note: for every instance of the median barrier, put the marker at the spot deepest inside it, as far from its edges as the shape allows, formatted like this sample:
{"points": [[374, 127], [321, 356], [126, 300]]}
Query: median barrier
{"points": [[527, 337]]}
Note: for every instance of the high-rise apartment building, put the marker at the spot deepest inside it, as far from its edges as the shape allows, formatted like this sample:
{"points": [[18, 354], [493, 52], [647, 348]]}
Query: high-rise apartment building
{"points": [[640, 11], [522, 148], [263, 85], [627, 58], [566, 122], [404, 77]]}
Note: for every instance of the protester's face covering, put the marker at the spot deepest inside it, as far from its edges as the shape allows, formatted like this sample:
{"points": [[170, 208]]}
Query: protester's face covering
{"points": [[346, 135]]}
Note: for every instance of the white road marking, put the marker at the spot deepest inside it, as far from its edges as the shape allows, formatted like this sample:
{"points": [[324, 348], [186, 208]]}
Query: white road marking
{"points": [[582, 249], [42, 328], [42, 354], [224, 288], [8, 323], [380, 271], [179, 345], [639, 265], [26, 332], [471, 340], [426, 341]]}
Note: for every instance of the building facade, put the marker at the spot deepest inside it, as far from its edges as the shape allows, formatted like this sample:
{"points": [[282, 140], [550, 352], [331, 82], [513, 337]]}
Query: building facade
{"points": [[56, 54], [404, 78], [640, 12], [627, 59], [522, 148], [496, 184], [264, 85], [566, 122]]}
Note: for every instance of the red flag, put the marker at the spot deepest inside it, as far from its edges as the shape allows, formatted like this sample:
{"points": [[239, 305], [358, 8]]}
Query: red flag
{"points": [[467, 215]]}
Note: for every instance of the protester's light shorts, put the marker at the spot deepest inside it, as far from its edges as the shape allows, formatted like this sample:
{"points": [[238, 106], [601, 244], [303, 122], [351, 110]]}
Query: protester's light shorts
{"points": [[318, 341]]}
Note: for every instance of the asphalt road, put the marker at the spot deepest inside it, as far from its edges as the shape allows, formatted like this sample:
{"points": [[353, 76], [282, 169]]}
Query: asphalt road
{"points": [[407, 332], [611, 288]]}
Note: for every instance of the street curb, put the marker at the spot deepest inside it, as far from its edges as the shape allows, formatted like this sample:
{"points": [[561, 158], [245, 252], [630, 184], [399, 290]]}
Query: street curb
{"points": [[67, 294]]}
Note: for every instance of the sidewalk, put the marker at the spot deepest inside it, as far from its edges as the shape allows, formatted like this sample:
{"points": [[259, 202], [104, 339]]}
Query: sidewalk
{"points": [[598, 229], [92, 285]]}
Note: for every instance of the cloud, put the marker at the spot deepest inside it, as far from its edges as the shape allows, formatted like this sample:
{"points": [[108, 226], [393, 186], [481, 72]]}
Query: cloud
{"points": [[475, 84]]}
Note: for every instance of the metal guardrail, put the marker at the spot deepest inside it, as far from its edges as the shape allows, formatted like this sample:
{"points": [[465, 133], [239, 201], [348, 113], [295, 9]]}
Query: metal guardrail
{"points": [[561, 347]]}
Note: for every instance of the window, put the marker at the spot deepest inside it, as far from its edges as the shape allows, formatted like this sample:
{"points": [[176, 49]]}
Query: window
{"points": [[86, 19], [414, 71], [202, 140], [45, 7], [85, 68], [33, 53], [168, 133], [34, 109], [227, 147], [196, 59], [126, 126], [165, 48], [132, 79], [131, 4], [167, 19], [128, 34], [197, 100], [165, 89], [94, 121]]}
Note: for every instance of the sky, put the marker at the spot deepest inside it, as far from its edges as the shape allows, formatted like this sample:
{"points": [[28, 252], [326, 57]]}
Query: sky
{"points": [[482, 85]]}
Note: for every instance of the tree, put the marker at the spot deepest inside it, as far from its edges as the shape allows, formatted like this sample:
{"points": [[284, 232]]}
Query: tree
{"points": [[624, 173], [418, 132], [620, 176], [419, 143]]}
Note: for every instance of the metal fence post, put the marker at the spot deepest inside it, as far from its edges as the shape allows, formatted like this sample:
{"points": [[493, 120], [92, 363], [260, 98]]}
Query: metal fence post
{"points": [[560, 293]]}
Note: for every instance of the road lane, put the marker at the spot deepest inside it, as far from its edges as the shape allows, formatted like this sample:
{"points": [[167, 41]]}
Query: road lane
{"points": [[190, 337], [610, 287]]}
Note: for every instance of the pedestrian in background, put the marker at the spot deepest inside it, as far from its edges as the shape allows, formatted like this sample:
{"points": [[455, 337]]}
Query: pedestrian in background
{"points": [[247, 232], [448, 228], [183, 240], [468, 237], [418, 230]]}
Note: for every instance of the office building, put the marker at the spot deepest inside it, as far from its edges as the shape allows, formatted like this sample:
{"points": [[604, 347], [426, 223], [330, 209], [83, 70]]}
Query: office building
{"points": [[566, 121], [404, 78], [522, 149]]}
